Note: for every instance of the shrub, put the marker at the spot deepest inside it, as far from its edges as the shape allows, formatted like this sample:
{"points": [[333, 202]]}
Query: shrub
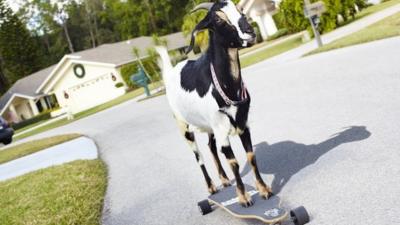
{"points": [[291, 14], [40, 117], [257, 30], [132, 68], [119, 85]]}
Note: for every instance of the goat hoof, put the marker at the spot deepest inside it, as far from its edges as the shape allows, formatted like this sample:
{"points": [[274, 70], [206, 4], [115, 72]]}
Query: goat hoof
{"points": [[245, 200], [247, 203], [264, 191], [212, 189], [225, 182]]}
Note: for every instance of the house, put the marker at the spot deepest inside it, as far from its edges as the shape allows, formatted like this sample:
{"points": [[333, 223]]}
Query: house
{"points": [[261, 12], [79, 81]]}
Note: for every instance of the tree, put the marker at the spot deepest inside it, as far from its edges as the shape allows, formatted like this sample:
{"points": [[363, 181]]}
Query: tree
{"points": [[3, 80], [60, 27], [291, 14], [191, 20], [18, 49]]}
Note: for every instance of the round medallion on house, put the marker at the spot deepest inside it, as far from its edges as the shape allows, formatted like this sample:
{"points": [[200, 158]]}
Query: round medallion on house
{"points": [[79, 70]]}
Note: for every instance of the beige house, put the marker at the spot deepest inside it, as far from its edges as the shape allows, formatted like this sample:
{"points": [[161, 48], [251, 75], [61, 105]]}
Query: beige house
{"points": [[79, 81], [261, 12]]}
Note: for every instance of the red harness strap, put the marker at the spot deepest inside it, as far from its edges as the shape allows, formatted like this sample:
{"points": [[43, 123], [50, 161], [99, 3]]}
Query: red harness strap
{"points": [[226, 99]]}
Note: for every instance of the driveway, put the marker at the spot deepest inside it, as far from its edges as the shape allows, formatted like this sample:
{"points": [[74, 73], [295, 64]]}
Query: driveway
{"points": [[326, 133]]}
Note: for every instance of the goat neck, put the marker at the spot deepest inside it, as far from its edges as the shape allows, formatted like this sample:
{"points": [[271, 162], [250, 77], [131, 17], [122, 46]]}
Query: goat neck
{"points": [[227, 66]]}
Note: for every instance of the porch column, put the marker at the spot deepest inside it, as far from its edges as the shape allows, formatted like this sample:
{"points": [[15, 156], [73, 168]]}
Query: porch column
{"points": [[14, 115], [43, 103], [269, 24], [33, 107]]}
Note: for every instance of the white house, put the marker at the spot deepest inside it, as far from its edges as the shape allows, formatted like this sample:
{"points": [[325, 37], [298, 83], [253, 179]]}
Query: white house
{"points": [[261, 12], [79, 81]]}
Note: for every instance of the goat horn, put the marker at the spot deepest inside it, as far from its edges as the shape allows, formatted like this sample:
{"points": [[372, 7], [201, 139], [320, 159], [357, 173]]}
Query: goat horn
{"points": [[205, 5]]}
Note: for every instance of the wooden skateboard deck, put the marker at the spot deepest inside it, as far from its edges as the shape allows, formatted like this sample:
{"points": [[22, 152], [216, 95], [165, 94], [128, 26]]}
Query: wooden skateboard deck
{"points": [[268, 211]]}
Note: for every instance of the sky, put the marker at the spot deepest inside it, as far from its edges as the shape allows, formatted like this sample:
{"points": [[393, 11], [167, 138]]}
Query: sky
{"points": [[14, 4]]}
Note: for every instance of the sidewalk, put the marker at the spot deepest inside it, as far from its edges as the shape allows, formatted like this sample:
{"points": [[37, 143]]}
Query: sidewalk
{"points": [[328, 38], [277, 42], [78, 149]]}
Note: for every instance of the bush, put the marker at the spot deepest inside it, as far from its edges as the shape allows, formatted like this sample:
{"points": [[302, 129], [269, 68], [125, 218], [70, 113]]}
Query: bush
{"points": [[119, 85], [257, 31], [132, 68], [291, 15], [40, 117]]}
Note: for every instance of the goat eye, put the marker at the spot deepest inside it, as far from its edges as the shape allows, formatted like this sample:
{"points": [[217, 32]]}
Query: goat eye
{"points": [[221, 16]]}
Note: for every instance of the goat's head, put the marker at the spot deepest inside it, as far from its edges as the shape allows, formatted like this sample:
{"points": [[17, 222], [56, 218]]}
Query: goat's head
{"points": [[227, 22]]}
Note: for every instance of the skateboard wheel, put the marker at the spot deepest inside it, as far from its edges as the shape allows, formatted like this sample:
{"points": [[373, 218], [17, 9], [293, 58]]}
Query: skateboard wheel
{"points": [[204, 207], [300, 215]]}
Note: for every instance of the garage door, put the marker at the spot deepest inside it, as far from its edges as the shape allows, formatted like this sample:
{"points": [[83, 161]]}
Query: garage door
{"points": [[93, 93]]}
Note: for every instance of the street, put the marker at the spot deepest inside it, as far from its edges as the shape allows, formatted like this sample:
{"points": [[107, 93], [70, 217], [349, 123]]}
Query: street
{"points": [[326, 134]]}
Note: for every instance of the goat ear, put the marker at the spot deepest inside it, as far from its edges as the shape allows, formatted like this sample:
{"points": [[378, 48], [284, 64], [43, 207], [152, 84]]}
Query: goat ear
{"points": [[204, 24]]}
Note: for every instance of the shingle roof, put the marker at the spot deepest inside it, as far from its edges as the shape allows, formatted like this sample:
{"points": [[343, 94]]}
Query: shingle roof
{"points": [[121, 52], [26, 86], [116, 53]]}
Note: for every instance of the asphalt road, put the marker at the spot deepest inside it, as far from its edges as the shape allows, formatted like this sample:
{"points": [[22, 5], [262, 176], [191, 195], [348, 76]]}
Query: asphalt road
{"points": [[326, 130]]}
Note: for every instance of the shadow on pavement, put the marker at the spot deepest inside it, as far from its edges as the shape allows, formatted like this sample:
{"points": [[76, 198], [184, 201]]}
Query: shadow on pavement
{"points": [[285, 159]]}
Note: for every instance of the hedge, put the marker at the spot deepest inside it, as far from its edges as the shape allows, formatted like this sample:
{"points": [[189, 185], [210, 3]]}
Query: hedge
{"points": [[291, 14], [43, 116]]}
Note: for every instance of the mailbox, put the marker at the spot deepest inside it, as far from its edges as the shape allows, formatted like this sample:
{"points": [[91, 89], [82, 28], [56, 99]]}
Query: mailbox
{"points": [[141, 79], [316, 20]]}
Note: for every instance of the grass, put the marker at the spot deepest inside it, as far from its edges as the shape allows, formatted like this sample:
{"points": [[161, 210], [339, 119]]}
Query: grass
{"points": [[72, 193], [388, 27], [153, 96], [29, 126], [270, 52], [28, 148], [91, 111], [375, 8], [262, 44]]}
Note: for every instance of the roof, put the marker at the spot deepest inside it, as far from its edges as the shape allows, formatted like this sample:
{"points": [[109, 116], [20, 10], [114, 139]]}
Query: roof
{"points": [[26, 86], [119, 53]]}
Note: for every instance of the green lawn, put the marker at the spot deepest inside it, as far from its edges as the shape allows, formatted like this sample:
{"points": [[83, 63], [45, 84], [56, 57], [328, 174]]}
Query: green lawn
{"points": [[72, 193], [262, 44], [388, 27], [27, 148], [270, 52], [375, 8], [29, 126], [62, 122]]}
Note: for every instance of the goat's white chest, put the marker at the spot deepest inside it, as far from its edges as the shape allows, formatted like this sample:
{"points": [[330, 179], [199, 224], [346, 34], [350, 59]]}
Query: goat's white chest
{"points": [[202, 113]]}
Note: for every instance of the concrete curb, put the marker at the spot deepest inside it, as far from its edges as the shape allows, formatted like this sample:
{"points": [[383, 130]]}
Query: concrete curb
{"points": [[82, 148]]}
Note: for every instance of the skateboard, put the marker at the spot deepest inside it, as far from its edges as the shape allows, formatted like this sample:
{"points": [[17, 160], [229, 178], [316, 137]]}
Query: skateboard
{"points": [[268, 211]]}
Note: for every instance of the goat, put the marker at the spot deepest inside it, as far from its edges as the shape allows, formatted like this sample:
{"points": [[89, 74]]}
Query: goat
{"points": [[208, 94]]}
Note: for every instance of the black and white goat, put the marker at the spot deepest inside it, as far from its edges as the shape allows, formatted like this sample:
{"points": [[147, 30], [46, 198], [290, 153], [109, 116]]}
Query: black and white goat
{"points": [[209, 95]]}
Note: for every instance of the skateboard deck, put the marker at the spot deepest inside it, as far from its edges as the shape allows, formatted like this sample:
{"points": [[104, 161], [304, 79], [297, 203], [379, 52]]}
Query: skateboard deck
{"points": [[268, 211]]}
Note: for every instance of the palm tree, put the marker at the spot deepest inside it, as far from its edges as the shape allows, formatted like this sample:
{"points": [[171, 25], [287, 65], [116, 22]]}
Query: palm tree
{"points": [[136, 53]]}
